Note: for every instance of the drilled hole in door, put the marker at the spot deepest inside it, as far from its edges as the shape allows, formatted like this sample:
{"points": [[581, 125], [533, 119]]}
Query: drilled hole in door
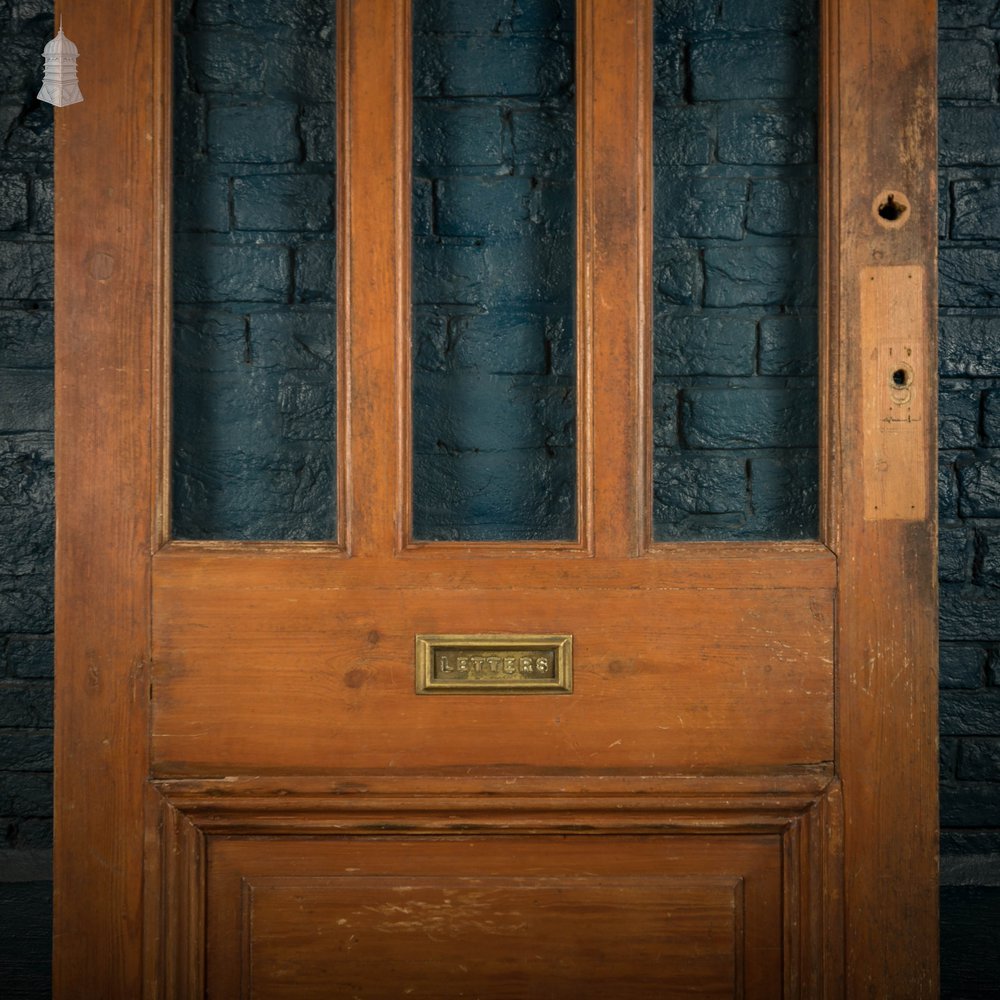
{"points": [[891, 209]]}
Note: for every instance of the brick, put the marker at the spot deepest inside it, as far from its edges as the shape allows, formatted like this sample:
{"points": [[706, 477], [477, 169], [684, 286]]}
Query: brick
{"points": [[284, 493], [489, 207], [307, 403], [748, 69], [970, 804], [727, 418], [422, 220], [979, 760], [965, 13], [25, 749], [300, 69], [967, 69], [226, 61], [958, 415], [991, 417], [26, 514], [703, 345], [761, 275], [783, 207], [784, 496], [317, 125], [954, 554], [26, 270], [702, 207], [495, 496], [190, 126], [29, 656], [944, 206], [969, 345], [26, 603], [769, 137], [668, 74], [13, 201], [968, 713], [201, 203], [968, 277], [962, 666], [492, 65], [25, 704], [989, 553], [968, 135], [316, 272], [969, 614], [947, 759], [25, 401], [947, 487], [26, 338], [294, 339], [789, 345], [219, 272], [677, 274], [253, 133], [460, 16], [683, 137], [283, 202], [506, 342], [979, 483], [665, 411], [456, 135], [976, 213], [43, 206], [312, 15], [683, 15], [483, 413], [27, 129], [543, 141], [759, 15], [25, 793], [698, 496]]}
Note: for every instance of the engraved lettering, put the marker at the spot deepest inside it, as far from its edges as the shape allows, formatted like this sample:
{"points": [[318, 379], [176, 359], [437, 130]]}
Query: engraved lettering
{"points": [[510, 664], [477, 664], [444, 664], [463, 665], [542, 665]]}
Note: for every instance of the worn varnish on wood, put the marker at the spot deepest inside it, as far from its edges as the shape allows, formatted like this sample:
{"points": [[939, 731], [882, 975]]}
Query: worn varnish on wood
{"points": [[809, 783]]}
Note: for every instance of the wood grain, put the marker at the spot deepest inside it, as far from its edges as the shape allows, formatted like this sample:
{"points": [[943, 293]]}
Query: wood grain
{"points": [[109, 217], [879, 80]]}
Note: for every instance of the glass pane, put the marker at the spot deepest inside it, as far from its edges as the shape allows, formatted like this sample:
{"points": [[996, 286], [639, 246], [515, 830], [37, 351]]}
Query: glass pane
{"points": [[734, 269], [254, 294], [494, 219]]}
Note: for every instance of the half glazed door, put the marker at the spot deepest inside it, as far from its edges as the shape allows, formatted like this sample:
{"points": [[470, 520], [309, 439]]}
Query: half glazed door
{"points": [[388, 764]]}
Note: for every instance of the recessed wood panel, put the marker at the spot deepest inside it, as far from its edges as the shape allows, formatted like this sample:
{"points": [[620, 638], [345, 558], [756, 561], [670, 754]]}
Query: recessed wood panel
{"points": [[663, 679], [437, 938], [553, 916]]}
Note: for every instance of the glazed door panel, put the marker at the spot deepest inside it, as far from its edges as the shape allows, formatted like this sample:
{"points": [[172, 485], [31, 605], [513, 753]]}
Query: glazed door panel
{"points": [[289, 813]]}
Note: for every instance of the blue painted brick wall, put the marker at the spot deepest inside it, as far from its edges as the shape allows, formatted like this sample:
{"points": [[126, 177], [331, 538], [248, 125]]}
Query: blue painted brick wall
{"points": [[734, 270], [254, 356], [493, 270]]}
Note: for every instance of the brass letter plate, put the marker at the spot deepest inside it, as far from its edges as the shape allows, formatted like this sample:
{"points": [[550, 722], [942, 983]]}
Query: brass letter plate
{"points": [[494, 664]]}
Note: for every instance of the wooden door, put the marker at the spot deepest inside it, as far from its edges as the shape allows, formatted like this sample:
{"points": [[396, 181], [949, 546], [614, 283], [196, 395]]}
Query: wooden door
{"points": [[737, 797]]}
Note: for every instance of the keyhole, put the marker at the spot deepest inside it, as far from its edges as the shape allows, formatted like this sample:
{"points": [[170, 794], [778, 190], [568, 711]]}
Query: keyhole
{"points": [[891, 209], [900, 377]]}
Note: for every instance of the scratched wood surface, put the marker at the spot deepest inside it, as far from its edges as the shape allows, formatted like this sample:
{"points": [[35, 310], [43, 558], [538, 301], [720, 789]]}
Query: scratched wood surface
{"points": [[282, 659], [652, 917], [109, 217], [880, 136]]}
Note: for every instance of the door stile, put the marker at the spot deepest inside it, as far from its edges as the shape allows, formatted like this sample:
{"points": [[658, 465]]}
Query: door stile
{"points": [[614, 166], [110, 211], [375, 170], [880, 82]]}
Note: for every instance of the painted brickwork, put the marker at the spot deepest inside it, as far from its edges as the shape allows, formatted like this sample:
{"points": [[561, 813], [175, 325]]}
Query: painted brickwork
{"points": [[494, 269], [970, 426], [254, 293], [970, 420], [734, 269]]}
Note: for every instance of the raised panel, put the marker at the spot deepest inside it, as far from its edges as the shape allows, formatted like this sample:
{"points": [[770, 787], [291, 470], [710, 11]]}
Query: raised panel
{"points": [[498, 937]]}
